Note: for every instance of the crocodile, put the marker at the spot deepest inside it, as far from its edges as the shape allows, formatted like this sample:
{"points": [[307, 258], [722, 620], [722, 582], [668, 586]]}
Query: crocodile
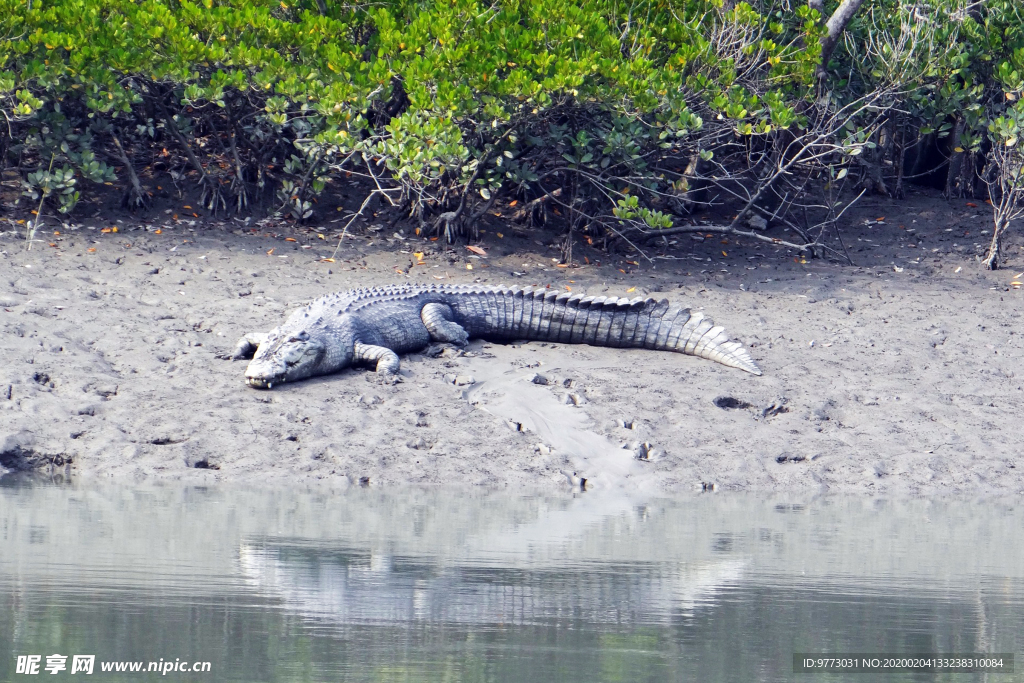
{"points": [[374, 325]]}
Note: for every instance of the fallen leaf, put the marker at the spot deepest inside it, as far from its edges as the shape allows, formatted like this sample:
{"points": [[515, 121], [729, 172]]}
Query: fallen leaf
{"points": [[724, 254], [91, 249], [476, 250], [175, 216], [433, 239], [500, 236], [105, 230], [417, 231], [290, 239], [469, 266], [972, 205], [195, 214], [568, 288], [418, 255], [270, 253], [635, 263], [327, 260], [158, 232], [631, 289], [586, 260], [561, 265], [321, 235], [438, 277], [187, 206], [53, 244], [622, 271], [513, 202]]}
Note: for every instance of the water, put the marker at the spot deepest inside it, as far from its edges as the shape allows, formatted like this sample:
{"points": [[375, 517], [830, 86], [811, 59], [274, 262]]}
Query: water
{"points": [[368, 585]]}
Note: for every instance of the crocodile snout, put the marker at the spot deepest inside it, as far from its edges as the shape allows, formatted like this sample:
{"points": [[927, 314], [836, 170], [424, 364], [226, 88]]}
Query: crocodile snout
{"points": [[263, 375]]}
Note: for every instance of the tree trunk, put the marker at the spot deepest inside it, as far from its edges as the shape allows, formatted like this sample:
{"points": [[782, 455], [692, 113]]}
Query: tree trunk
{"points": [[835, 25], [956, 163]]}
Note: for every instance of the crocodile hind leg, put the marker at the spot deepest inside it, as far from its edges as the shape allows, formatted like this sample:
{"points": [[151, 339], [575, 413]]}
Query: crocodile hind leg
{"points": [[247, 345], [437, 318], [386, 360]]}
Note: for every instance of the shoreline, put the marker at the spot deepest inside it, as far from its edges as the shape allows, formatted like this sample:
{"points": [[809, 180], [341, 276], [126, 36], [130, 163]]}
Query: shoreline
{"points": [[900, 375]]}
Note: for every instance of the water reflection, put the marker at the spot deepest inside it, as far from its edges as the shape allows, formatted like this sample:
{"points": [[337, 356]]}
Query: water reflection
{"points": [[427, 585]]}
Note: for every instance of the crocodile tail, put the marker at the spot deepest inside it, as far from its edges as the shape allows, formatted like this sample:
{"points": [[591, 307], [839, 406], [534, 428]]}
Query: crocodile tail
{"points": [[692, 333], [626, 323]]}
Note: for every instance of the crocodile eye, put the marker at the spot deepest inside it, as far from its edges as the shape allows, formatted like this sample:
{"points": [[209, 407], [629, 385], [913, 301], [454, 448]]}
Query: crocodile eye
{"points": [[300, 337]]}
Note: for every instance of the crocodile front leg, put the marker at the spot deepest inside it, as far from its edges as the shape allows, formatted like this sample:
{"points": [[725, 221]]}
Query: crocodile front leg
{"points": [[386, 360], [437, 318], [247, 345]]}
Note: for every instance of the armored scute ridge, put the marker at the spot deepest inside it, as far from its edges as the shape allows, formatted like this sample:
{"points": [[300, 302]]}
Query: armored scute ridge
{"points": [[375, 325]]}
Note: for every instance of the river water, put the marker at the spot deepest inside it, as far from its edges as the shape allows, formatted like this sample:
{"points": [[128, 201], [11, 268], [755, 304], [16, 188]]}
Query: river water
{"points": [[455, 585]]}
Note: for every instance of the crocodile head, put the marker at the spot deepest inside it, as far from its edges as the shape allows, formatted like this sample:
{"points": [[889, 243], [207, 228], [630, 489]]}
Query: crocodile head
{"points": [[285, 358]]}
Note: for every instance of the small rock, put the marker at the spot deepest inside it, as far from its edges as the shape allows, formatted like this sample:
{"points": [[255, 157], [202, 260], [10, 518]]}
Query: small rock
{"points": [[417, 443], [577, 399], [538, 378], [542, 449], [575, 480], [757, 222], [641, 450], [464, 380], [567, 400]]}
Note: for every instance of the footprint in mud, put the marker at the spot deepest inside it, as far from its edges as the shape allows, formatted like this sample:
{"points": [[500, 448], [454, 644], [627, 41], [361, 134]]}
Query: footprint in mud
{"points": [[732, 403]]}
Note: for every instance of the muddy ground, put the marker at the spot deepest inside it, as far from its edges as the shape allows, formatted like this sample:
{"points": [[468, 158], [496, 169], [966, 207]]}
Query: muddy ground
{"points": [[902, 373]]}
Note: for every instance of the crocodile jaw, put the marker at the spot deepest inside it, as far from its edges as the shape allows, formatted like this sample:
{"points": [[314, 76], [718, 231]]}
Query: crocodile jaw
{"points": [[284, 361]]}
